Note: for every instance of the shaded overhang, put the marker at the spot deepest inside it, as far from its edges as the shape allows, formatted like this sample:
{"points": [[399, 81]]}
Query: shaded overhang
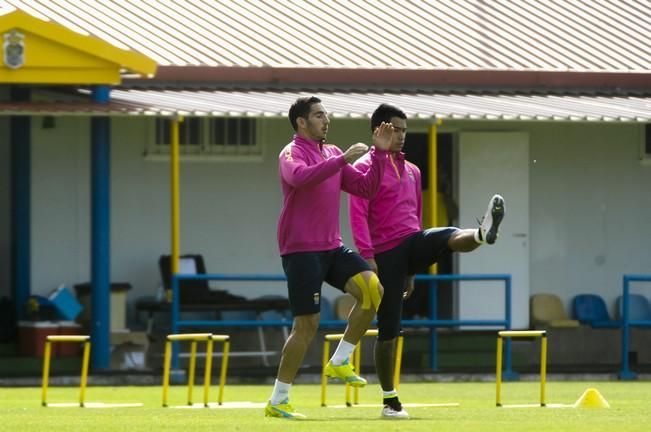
{"points": [[631, 107], [364, 78]]}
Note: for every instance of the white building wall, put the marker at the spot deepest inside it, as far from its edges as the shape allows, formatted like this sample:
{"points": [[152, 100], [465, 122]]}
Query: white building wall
{"points": [[228, 212], [590, 209], [60, 202], [589, 206]]}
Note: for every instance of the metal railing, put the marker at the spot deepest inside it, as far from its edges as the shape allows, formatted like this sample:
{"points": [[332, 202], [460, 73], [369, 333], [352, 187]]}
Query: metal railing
{"points": [[433, 322], [177, 323]]}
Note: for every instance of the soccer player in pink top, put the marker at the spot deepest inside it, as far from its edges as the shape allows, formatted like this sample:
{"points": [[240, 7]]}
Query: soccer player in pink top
{"points": [[312, 176], [387, 230]]}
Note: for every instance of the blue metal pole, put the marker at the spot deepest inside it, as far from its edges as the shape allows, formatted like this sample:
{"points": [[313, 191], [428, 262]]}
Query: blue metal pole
{"points": [[433, 313], [508, 374], [21, 167], [625, 373], [175, 319], [100, 234], [507, 316]]}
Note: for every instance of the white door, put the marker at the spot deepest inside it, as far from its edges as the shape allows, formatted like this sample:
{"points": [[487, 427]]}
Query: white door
{"points": [[489, 163]]}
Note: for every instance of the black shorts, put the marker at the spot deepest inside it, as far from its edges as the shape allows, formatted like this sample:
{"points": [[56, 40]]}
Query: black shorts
{"points": [[414, 255], [306, 272]]}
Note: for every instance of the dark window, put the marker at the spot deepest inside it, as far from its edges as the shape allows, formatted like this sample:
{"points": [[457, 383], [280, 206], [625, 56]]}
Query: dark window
{"points": [[218, 131], [162, 131], [231, 131], [209, 136], [417, 152], [189, 131], [647, 139], [234, 131], [247, 129]]}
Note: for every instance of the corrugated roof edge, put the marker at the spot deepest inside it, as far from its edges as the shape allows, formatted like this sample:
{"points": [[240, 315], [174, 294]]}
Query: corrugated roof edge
{"points": [[398, 78], [379, 89]]}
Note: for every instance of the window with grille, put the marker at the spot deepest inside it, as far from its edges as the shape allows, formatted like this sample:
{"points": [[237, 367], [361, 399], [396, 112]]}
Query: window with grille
{"points": [[202, 136]]}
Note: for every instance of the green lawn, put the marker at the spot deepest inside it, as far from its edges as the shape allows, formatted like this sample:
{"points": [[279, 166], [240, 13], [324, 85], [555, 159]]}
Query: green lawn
{"points": [[20, 409]]}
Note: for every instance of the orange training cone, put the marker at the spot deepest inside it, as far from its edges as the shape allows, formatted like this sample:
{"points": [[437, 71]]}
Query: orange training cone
{"points": [[591, 398]]}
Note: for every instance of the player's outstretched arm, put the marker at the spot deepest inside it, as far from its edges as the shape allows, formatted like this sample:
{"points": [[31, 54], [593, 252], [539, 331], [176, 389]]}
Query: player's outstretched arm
{"points": [[355, 151], [382, 136]]}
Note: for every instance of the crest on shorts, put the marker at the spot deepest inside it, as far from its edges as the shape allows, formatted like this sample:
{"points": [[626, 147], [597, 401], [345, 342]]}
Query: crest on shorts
{"points": [[317, 298], [14, 49]]}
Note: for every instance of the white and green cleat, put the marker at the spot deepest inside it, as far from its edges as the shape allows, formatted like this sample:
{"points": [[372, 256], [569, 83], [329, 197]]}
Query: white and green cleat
{"points": [[282, 410], [346, 373], [490, 223]]}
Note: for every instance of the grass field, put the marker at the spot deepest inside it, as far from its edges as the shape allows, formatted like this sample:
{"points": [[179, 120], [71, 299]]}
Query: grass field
{"points": [[20, 409]]}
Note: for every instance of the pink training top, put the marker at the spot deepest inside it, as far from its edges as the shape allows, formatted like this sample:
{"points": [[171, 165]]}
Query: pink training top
{"points": [[383, 222], [312, 176]]}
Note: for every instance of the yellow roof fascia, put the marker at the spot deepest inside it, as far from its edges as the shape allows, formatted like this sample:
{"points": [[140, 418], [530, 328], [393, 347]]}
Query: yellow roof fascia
{"points": [[110, 59], [78, 76]]}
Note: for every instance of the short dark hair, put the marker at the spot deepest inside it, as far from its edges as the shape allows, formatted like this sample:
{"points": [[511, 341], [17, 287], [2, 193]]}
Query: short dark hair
{"points": [[301, 108], [384, 113]]}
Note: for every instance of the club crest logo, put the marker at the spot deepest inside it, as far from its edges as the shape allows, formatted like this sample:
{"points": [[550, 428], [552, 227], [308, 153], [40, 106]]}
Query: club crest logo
{"points": [[14, 49]]}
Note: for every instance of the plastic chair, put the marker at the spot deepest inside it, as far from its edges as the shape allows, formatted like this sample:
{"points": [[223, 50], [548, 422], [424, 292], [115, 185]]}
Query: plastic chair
{"points": [[547, 311], [591, 309], [639, 308], [189, 290]]}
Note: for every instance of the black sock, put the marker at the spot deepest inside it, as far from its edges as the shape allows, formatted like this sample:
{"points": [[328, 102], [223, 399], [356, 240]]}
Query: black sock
{"points": [[393, 402]]}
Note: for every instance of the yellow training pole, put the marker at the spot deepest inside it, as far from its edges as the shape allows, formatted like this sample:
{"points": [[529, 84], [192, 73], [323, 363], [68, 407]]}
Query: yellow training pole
{"points": [[194, 338], [432, 183], [46, 372], [357, 362], [84, 372], [542, 334], [222, 374], [189, 337], [543, 367], [521, 333], [175, 199], [324, 362], [166, 370], [356, 359], [193, 365], [398, 362], [498, 373], [47, 356], [207, 371]]}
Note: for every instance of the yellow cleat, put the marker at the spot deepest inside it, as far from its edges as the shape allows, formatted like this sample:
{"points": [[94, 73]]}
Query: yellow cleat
{"points": [[346, 373], [282, 410]]}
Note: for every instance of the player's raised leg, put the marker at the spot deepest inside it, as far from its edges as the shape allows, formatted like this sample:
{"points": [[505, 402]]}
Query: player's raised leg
{"points": [[365, 287]]}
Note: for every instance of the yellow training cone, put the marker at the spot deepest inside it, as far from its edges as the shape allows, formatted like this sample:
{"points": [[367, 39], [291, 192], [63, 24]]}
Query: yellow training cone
{"points": [[591, 398]]}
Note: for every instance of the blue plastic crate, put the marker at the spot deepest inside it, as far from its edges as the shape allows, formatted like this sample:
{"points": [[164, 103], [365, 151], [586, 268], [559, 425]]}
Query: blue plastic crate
{"points": [[65, 303]]}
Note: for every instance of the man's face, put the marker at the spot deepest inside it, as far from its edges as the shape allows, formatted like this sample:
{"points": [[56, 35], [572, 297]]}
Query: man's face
{"points": [[316, 125], [399, 134]]}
